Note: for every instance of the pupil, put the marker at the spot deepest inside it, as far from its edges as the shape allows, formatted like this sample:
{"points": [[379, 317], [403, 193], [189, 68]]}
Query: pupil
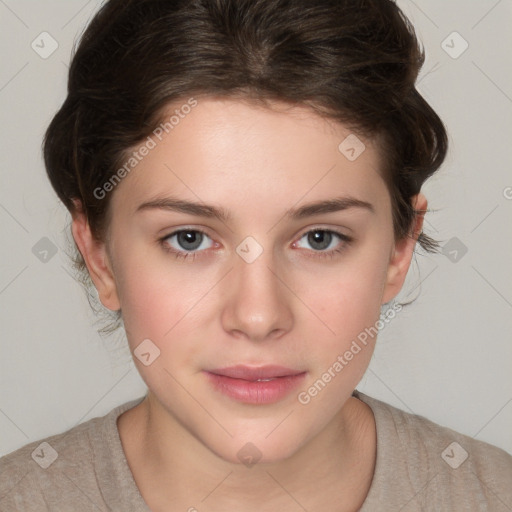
{"points": [[190, 240], [322, 238]]}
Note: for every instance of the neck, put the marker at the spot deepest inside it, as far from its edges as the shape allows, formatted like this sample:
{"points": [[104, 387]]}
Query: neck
{"points": [[171, 466]]}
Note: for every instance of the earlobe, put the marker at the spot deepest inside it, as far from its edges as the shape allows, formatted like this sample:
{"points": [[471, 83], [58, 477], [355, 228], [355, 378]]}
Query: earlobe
{"points": [[96, 258], [402, 252]]}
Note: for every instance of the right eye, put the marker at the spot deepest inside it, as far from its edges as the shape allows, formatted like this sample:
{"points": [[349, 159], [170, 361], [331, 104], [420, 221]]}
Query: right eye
{"points": [[185, 242]]}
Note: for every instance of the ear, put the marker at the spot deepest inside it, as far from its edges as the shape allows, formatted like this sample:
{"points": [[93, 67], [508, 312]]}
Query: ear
{"points": [[402, 252], [97, 260]]}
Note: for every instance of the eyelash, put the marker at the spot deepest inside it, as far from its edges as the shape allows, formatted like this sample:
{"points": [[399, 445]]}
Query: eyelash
{"points": [[345, 239]]}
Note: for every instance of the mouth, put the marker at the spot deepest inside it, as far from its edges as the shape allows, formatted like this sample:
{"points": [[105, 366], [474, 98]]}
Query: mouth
{"points": [[255, 385]]}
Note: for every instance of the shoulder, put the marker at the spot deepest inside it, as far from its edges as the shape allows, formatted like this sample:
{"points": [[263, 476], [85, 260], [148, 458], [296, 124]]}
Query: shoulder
{"points": [[435, 464], [431, 440], [35, 475], [60, 469]]}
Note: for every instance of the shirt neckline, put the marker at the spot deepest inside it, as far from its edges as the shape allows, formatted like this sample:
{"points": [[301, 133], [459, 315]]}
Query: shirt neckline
{"points": [[372, 500], [127, 496]]}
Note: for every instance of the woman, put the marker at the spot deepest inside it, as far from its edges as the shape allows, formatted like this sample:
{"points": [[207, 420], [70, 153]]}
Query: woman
{"points": [[244, 179]]}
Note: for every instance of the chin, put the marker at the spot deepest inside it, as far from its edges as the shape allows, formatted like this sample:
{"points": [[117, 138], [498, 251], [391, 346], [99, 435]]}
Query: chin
{"points": [[256, 450]]}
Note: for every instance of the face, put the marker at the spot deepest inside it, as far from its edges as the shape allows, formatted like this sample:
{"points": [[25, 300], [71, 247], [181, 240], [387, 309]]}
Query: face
{"points": [[251, 254]]}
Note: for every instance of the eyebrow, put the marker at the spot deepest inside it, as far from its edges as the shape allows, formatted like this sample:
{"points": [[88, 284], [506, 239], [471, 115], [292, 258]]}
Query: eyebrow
{"points": [[214, 212]]}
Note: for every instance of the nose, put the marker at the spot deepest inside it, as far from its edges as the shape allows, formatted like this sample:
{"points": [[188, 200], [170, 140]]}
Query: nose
{"points": [[257, 304]]}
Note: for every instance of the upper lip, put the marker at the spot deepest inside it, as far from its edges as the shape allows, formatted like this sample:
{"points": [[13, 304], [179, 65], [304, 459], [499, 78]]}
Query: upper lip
{"points": [[255, 373]]}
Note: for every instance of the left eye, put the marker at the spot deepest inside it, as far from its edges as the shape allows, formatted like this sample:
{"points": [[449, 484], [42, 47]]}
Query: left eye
{"points": [[322, 239]]}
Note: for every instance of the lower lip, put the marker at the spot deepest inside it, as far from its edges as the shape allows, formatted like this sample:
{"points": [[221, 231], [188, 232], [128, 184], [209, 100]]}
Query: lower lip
{"points": [[254, 392]]}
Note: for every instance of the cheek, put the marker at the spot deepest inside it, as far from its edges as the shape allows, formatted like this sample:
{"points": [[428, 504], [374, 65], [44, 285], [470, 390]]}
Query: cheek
{"points": [[155, 296], [348, 301], [347, 296]]}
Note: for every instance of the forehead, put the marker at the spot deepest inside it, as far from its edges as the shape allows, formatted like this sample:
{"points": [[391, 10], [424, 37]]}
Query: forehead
{"points": [[222, 149]]}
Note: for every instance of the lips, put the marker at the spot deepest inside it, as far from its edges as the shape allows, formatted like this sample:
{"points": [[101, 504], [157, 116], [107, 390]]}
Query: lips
{"points": [[255, 385], [256, 373]]}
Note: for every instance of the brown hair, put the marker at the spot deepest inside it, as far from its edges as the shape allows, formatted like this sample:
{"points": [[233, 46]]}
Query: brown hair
{"points": [[354, 61]]}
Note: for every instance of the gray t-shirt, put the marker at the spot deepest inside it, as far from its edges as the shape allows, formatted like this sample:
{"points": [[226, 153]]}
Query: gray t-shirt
{"points": [[420, 466]]}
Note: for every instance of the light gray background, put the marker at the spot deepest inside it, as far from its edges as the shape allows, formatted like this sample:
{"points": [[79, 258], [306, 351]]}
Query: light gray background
{"points": [[448, 356]]}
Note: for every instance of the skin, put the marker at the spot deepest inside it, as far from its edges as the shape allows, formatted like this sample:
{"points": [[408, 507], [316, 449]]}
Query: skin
{"points": [[291, 306]]}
